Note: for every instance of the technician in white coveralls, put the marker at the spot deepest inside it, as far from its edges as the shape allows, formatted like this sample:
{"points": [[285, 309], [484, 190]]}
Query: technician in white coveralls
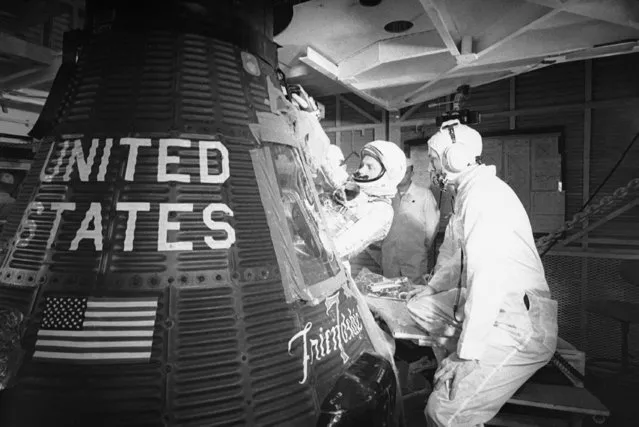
{"points": [[488, 296], [405, 249]]}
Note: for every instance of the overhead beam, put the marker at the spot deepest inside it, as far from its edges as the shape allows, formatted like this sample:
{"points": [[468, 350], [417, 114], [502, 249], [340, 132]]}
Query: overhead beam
{"points": [[444, 24], [478, 71], [43, 75], [18, 75], [323, 65], [14, 46], [620, 12], [412, 96], [396, 80], [22, 99], [536, 43], [295, 71], [510, 25], [603, 51], [410, 112], [515, 23], [557, 41], [552, 109], [527, 63], [389, 50], [351, 127], [596, 253], [450, 88]]}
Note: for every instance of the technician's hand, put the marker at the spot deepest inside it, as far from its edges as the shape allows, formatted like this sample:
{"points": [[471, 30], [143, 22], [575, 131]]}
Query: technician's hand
{"points": [[303, 100], [452, 371], [423, 290], [339, 195]]}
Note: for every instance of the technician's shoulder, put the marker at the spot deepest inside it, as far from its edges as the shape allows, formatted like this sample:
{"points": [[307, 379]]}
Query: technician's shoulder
{"points": [[493, 188], [491, 194]]}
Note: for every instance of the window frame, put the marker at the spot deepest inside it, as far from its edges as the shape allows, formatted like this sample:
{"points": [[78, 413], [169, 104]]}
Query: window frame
{"points": [[295, 286]]}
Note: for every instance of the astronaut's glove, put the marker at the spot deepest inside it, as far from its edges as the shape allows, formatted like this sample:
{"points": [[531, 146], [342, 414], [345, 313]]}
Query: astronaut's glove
{"points": [[303, 100]]}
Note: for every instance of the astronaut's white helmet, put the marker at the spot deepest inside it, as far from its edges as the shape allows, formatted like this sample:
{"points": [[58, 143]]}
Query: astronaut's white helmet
{"points": [[392, 160]]}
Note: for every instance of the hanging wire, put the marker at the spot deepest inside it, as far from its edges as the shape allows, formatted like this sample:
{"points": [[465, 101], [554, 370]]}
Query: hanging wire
{"points": [[612, 171]]}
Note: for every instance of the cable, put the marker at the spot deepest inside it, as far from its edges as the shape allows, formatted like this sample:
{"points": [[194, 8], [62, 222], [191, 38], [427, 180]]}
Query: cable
{"points": [[623, 155], [459, 287], [433, 247], [612, 171]]}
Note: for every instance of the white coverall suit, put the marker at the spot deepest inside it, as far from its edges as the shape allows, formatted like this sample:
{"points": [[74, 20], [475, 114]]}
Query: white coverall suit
{"points": [[509, 322], [405, 248]]}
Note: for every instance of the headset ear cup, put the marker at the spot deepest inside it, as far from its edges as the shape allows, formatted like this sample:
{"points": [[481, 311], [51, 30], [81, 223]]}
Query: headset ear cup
{"points": [[454, 158]]}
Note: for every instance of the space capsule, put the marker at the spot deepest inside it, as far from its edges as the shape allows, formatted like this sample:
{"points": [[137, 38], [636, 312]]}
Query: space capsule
{"points": [[152, 274]]}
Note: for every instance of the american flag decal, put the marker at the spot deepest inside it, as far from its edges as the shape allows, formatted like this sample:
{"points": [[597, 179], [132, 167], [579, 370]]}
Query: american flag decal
{"points": [[96, 330]]}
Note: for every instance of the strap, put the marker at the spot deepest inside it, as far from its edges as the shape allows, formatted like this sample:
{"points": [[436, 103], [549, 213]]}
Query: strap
{"points": [[459, 285]]}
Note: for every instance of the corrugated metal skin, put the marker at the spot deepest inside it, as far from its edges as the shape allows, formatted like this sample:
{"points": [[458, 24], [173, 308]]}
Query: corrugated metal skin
{"points": [[207, 367], [612, 131], [554, 85], [29, 185], [221, 344], [615, 77], [19, 297]]}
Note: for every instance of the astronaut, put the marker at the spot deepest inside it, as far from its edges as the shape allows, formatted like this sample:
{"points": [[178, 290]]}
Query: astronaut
{"points": [[405, 249], [361, 211], [488, 296]]}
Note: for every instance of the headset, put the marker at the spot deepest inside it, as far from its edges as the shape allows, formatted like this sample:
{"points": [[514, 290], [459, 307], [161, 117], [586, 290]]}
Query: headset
{"points": [[454, 159]]}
